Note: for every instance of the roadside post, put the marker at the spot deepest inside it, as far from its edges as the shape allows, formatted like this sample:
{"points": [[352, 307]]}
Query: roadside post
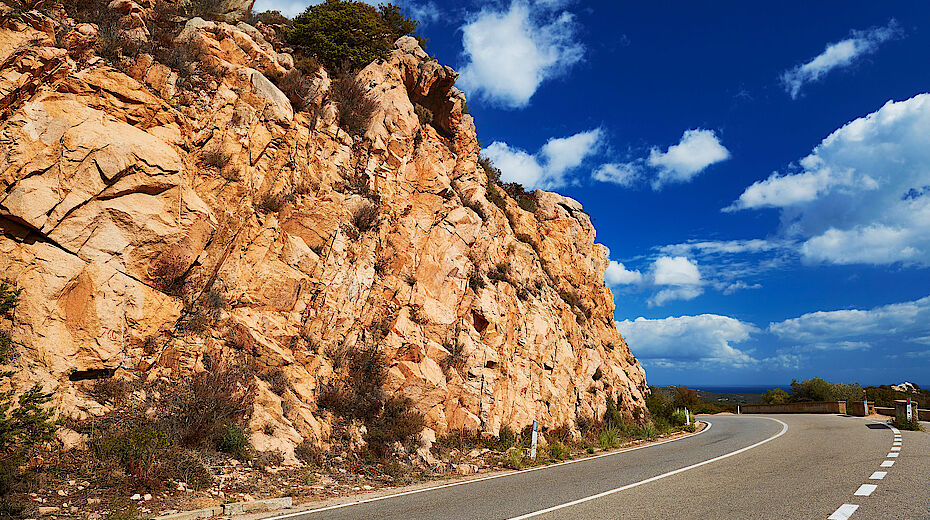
{"points": [[533, 445], [865, 406], [737, 409], [687, 417], [909, 416]]}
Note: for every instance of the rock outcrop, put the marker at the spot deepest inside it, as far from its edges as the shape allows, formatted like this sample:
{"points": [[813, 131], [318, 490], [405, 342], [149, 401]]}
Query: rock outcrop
{"points": [[128, 201]]}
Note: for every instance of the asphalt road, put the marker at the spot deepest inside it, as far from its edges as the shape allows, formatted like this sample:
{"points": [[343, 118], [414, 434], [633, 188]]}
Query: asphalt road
{"points": [[748, 466]]}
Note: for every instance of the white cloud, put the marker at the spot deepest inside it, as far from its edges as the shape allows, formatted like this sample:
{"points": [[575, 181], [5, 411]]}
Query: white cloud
{"points": [[849, 329], [863, 194], [617, 274], [837, 55], [686, 292], [547, 168], [676, 270], [739, 286], [755, 245], [706, 339], [510, 53], [697, 150], [680, 277], [624, 174]]}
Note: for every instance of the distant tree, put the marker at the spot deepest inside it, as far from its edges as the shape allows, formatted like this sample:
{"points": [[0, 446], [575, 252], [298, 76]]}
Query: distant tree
{"points": [[814, 389], [685, 397], [775, 396], [349, 34]]}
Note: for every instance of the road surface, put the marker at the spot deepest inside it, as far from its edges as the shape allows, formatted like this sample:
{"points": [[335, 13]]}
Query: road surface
{"points": [[746, 466]]}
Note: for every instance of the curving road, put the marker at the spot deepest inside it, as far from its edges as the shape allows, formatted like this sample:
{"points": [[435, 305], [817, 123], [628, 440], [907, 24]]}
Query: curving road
{"points": [[747, 466]]}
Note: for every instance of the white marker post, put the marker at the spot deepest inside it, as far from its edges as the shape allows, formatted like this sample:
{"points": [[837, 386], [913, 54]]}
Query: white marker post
{"points": [[737, 409], [909, 416], [533, 445], [687, 417], [865, 406]]}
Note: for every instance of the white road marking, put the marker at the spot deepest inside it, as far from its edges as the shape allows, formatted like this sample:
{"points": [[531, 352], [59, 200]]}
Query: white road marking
{"points": [[893, 454], [895, 430], [896, 448], [887, 463], [865, 490], [844, 512], [878, 475], [463, 482], [657, 477]]}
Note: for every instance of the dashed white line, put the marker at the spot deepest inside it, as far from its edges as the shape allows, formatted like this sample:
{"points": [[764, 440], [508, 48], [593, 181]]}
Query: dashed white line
{"points": [[865, 490], [893, 454], [896, 448], [878, 475], [844, 512], [887, 463]]}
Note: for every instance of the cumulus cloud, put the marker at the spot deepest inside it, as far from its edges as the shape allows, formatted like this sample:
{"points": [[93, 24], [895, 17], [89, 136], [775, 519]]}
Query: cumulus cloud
{"points": [[548, 167], [624, 174], [702, 340], [739, 286], [837, 55], [863, 194], [679, 277], [697, 149], [853, 329], [617, 274], [508, 54], [754, 245]]}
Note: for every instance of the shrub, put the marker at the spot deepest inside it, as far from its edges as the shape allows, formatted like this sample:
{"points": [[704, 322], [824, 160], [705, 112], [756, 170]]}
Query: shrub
{"points": [[309, 452], [277, 380], [527, 201], [273, 203], [476, 281], [206, 9], [514, 459], [215, 159], [196, 410], [233, 440], [140, 451], [169, 273], [424, 114], [557, 451], [358, 394], [365, 217], [500, 273], [356, 107], [609, 438], [397, 422], [301, 92], [900, 422], [347, 33]]}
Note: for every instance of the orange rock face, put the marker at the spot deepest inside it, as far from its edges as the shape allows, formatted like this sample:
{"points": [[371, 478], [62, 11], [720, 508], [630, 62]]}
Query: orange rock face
{"points": [[110, 181]]}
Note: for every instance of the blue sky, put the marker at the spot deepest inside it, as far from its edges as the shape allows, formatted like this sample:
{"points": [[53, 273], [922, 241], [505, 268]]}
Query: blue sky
{"points": [[760, 172]]}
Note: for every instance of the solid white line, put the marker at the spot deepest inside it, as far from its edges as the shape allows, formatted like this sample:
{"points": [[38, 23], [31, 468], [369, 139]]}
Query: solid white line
{"points": [[893, 454], [895, 430], [657, 477], [878, 475], [887, 463], [865, 490], [490, 477], [844, 512]]}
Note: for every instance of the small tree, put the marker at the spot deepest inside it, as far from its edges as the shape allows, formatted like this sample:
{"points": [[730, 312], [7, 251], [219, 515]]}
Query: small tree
{"points": [[25, 423], [348, 33], [775, 396]]}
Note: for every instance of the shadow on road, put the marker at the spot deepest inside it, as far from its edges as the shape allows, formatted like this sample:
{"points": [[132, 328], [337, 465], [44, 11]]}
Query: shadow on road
{"points": [[876, 426]]}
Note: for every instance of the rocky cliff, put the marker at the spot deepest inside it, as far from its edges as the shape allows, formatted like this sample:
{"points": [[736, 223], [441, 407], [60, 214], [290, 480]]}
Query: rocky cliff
{"points": [[157, 223]]}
